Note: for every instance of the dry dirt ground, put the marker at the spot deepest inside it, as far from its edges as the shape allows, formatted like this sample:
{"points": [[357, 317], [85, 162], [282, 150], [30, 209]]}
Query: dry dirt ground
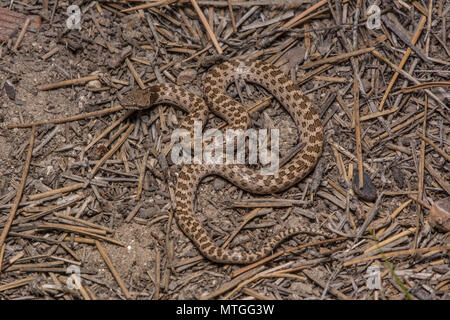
{"points": [[154, 264]]}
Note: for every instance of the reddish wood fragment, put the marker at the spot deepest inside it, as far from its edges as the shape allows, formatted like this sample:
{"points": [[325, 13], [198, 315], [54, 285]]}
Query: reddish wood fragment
{"points": [[12, 22]]}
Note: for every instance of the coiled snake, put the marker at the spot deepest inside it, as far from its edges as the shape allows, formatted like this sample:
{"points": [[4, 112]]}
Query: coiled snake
{"points": [[216, 81]]}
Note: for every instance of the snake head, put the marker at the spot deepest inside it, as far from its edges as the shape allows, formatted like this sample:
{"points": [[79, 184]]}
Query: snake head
{"points": [[137, 99]]}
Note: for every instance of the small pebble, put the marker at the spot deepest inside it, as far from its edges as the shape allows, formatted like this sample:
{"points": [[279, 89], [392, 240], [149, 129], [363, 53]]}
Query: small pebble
{"points": [[10, 91], [399, 177], [218, 184], [368, 192], [440, 215], [147, 213], [94, 84]]}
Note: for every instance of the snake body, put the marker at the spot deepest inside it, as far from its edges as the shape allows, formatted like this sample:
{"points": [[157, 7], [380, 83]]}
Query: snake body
{"points": [[216, 81]]}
